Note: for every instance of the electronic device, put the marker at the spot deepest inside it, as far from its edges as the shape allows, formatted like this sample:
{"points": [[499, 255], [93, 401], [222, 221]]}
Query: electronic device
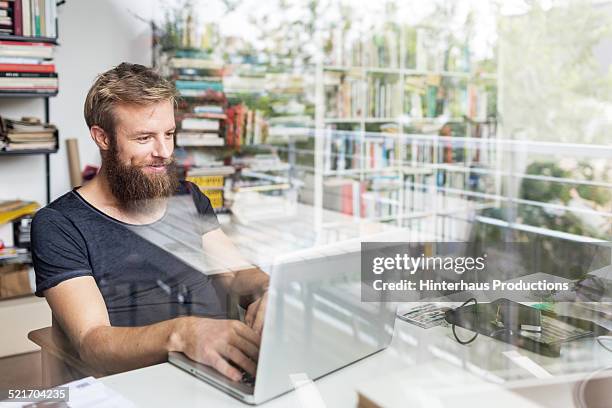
{"points": [[315, 323]]}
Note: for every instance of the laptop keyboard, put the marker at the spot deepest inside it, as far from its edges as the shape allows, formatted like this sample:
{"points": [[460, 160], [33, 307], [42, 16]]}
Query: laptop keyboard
{"points": [[247, 379]]}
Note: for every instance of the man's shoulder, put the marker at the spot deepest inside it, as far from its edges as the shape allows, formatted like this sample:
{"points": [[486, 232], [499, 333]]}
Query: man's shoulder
{"points": [[58, 209], [185, 187]]}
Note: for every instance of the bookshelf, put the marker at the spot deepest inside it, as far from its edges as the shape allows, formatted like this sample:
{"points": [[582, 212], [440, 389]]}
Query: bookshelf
{"points": [[27, 71], [383, 104], [229, 127]]}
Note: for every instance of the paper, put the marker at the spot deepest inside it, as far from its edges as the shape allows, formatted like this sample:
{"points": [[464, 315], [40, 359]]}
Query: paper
{"points": [[85, 393]]}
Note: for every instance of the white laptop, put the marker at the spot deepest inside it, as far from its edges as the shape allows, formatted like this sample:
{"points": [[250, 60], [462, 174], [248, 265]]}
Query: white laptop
{"points": [[315, 324]]}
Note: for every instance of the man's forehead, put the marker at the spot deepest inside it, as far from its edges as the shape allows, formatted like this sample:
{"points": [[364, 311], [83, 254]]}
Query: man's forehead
{"points": [[142, 117]]}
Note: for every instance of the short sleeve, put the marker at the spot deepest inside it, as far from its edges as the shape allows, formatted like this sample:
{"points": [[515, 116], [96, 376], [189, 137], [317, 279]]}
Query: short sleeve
{"points": [[207, 218], [59, 251]]}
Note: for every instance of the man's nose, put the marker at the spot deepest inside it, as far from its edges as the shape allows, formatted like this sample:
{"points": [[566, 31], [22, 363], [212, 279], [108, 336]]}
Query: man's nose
{"points": [[162, 149]]}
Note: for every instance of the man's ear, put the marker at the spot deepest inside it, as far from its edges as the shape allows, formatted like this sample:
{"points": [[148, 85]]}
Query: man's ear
{"points": [[100, 137]]}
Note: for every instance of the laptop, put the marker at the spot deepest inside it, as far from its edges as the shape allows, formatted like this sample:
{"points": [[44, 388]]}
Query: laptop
{"points": [[315, 323]]}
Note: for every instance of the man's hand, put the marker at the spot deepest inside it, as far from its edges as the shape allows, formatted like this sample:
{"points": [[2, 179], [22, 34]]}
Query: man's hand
{"points": [[216, 343], [255, 314]]}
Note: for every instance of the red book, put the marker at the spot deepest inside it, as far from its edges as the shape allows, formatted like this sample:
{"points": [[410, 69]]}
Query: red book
{"points": [[27, 67], [347, 199], [26, 43], [17, 19]]}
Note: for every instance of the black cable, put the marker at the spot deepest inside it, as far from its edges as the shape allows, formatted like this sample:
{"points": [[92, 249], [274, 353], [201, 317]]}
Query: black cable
{"points": [[462, 342]]}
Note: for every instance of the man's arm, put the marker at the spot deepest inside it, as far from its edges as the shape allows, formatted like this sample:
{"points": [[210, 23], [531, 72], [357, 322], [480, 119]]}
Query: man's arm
{"points": [[78, 306], [246, 281]]}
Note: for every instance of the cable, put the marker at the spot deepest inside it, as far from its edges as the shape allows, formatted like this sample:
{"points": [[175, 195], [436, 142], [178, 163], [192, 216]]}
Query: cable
{"points": [[466, 342], [602, 339]]}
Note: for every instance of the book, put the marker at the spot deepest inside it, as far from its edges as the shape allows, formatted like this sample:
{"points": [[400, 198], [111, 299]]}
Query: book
{"points": [[211, 182], [211, 170], [208, 109], [200, 124], [195, 63], [30, 137], [27, 67], [28, 82], [25, 125], [28, 74], [217, 116], [198, 85], [26, 18], [42, 9], [52, 15], [26, 49], [30, 146], [24, 60], [184, 139], [28, 134], [11, 210], [17, 16], [36, 14], [215, 197]]}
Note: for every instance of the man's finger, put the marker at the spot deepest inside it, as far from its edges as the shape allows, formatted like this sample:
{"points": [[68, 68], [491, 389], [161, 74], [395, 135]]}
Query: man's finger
{"points": [[259, 318], [247, 333], [261, 313], [225, 368], [250, 314], [241, 359], [246, 347]]}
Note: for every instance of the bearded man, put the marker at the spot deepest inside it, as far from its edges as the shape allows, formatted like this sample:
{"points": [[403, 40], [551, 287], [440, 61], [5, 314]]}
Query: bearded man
{"points": [[101, 254]]}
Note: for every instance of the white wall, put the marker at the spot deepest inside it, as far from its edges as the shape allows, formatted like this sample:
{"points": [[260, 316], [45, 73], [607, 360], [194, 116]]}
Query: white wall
{"points": [[94, 35]]}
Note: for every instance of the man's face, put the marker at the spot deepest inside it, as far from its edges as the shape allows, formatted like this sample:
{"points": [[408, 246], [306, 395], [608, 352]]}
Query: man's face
{"points": [[145, 135], [139, 162]]}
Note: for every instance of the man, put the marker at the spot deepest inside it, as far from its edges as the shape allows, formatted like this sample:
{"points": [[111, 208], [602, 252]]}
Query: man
{"points": [[123, 299]]}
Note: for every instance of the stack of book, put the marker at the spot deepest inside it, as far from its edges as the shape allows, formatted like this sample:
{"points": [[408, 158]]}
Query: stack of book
{"points": [[27, 134], [211, 181], [195, 72], [26, 67], [201, 129], [384, 97], [197, 76], [245, 126], [12, 211], [343, 95], [28, 18]]}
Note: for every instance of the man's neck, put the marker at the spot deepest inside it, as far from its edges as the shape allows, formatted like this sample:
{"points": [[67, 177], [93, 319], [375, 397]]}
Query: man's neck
{"points": [[98, 193]]}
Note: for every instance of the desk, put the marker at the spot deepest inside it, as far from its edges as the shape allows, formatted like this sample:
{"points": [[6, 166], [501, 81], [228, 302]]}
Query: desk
{"points": [[417, 359]]}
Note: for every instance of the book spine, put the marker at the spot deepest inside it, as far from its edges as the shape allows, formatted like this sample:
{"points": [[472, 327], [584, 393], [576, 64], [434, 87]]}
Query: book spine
{"points": [[17, 22], [43, 18], [53, 20], [26, 68], [25, 18], [36, 18]]}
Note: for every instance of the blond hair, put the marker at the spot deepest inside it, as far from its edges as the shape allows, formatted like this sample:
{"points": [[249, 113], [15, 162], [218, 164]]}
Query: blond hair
{"points": [[125, 83]]}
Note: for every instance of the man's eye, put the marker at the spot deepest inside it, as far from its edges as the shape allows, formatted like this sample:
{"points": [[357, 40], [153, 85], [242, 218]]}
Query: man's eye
{"points": [[170, 135], [143, 138]]}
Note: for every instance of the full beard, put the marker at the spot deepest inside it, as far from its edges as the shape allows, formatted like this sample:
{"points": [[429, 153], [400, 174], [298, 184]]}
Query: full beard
{"points": [[136, 191]]}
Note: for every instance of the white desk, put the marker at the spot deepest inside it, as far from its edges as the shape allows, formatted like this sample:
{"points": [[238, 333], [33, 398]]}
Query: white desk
{"points": [[417, 360], [421, 367]]}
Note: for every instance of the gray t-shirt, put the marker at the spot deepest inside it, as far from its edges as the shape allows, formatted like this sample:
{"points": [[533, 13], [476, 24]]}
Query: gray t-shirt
{"points": [[146, 273]]}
